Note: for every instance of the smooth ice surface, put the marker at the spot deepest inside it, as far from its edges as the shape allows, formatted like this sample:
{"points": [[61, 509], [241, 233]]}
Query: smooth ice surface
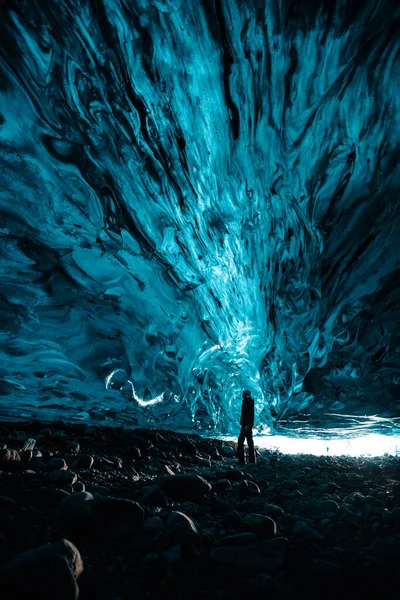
{"points": [[197, 197]]}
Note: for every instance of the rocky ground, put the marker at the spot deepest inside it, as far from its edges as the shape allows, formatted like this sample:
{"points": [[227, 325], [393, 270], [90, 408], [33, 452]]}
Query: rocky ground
{"points": [[153, 514]]}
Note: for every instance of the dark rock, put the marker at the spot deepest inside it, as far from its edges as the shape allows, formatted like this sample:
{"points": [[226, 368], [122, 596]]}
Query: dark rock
{"points": [[221, 485], [74, 512], [153, 525], [272, 510], [9, 460], [228, 451], [117, 517], [73, 448], [26, 456], [385, 548], [263, 526], [173, 556], [248, 489], [63, 477], [188, 447], [29, 445], [181, 529], [352, 518], [7, 502], [185, 487], [85, 461], [134, 453], [329, 506], [100, 490], [218, 505], [326, 569], [153, 496], [268, 556], [274, 551], [143, 542], [231, 519], [240, 557], [303, 529], [48, 572], [231, 474], [79, 487], [57, 464]]}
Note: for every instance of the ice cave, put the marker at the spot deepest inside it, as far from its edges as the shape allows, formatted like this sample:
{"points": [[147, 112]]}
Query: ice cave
{"points": [[198, 197], [199, 236]]}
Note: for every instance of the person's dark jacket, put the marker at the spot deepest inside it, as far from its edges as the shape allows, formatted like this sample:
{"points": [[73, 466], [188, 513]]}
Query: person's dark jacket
{"points": [[247, 417]]}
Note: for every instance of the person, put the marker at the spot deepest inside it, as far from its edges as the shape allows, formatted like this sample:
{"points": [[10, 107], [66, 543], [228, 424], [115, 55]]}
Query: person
{"points": [[246, 432]]}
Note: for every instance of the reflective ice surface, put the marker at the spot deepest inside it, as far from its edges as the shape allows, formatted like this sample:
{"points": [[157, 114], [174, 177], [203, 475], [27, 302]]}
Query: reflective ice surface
{"points": [[204, 196]]}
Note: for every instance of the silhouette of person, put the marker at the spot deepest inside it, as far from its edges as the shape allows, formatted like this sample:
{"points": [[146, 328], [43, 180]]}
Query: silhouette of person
{"points": [[246, 432]]}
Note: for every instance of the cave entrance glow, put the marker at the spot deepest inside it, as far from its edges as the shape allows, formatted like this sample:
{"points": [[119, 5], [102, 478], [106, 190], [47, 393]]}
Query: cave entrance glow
{"points": [[367, 445]]}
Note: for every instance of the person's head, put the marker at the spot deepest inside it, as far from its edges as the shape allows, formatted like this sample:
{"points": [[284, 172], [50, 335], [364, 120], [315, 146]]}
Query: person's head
{"points": [[246, 394]]}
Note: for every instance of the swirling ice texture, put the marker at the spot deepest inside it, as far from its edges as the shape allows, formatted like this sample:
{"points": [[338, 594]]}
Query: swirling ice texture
{"points": [[204, 195]]}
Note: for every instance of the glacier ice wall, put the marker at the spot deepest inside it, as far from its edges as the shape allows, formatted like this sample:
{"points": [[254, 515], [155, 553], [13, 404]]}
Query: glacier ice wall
{"points": [[197, 197]]}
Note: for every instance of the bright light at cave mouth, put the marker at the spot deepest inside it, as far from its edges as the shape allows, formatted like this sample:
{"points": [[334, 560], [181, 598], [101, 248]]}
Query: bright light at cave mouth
{"points": [[368, 445]]}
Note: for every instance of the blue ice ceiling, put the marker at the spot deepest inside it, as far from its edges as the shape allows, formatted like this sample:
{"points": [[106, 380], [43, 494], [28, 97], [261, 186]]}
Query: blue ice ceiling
{"points": [[197, 197]]}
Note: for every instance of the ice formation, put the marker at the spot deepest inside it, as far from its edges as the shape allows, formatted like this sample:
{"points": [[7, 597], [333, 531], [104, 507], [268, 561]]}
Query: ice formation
{"points": [[196, 197]]}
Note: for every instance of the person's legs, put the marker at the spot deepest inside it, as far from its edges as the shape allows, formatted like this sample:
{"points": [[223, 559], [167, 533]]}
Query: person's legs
{"points": [[240, 447], [250, 443]]}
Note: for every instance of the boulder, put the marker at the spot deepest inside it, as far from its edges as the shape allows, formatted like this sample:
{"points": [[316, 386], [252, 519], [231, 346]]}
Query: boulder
{"points": [[48, 572]]}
